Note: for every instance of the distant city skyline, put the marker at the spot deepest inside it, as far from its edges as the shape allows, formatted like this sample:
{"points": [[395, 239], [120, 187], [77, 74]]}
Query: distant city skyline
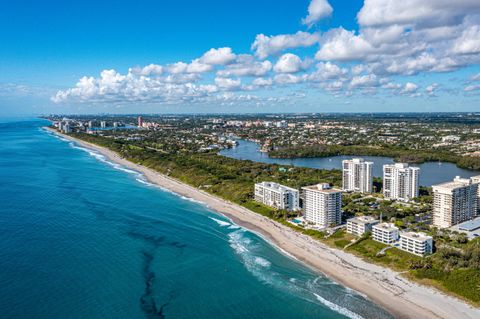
{"points": [[213, 56]]}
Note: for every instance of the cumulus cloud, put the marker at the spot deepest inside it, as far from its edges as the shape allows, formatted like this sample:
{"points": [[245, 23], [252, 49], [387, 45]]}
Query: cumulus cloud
{"points": [[317, 10], [362, 81], [342, 45], [265, 46], [228, 84], [220, 56], [289, 63], [410, 87], [246, 65], [395, 39]]}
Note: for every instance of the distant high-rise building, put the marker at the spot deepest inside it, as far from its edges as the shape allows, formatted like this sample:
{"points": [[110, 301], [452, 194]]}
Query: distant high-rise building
{"points": [[357, 175], [455, 202], [323, 205], [67, 128], [276, 195], [400, 181], [103, 124], [90, 124], [140, 121]]}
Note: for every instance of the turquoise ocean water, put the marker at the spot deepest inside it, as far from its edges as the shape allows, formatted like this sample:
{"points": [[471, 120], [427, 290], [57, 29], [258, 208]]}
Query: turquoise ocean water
{"points": [[81, 237]]}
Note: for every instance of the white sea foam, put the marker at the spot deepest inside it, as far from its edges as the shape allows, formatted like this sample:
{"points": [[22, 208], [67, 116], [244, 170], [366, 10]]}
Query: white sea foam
{"points": [[262, 262], [220, 222], [337, 308]]}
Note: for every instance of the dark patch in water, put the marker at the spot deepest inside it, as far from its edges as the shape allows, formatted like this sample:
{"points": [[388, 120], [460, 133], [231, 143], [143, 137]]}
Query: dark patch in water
{"points": [[148, 303]]}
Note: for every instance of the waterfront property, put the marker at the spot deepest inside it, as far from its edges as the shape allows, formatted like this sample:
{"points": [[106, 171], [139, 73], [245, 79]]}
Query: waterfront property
{"points": [[386, 233], [277, 196], [323, 205], [400, 181], [418, 244], [357, 175], [455, 202], [360, 225]]}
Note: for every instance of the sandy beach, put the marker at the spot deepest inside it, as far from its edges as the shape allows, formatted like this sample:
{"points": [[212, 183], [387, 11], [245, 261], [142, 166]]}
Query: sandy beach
{"points": [[403, 298]]}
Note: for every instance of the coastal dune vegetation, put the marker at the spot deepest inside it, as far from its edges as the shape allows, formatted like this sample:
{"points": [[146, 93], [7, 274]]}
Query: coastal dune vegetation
{"points": [[454, 268]]}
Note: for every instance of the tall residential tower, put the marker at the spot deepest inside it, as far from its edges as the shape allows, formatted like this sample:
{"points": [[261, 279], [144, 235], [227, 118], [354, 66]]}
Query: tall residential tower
{"points": [[400, 181], [357, 175], [455, 202], [323, 205]]}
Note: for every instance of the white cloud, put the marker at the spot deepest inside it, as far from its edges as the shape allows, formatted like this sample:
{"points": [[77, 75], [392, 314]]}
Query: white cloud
{"points": [[342, 45], [178, 67], [475, 77], [151, 69], [287, 78], [410, 87], [317, 10], [327, 71], [220, 56], [288, 63], [469, 41], [471, 88], [430, 90], [246, 66], [418, 13], [198, 67], [262, 82], [228, 83], [362, 81], [265, 46]]}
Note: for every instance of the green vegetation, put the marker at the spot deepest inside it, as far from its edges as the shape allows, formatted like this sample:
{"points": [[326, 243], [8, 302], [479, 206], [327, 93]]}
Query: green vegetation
{"points": [[455, 267], [399, 154]]}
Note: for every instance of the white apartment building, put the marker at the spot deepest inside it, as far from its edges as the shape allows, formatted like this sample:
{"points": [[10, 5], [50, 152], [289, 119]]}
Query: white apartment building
{"points": [[386, 233], [416, 243], [357, 175], [322, 205], [360, 225], [277, 195], [455, 202], [400, 181]]}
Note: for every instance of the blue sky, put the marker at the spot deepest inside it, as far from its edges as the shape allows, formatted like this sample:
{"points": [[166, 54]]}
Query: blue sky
{"points": [[310, 56]]}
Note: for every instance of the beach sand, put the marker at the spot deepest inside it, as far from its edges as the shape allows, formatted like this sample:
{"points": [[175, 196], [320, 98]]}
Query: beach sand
{"points": [[401, 297]]}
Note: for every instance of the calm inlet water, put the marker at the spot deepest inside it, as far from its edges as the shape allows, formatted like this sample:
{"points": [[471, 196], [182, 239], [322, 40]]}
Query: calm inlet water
{"points": [[81, 237], [430, 173]]}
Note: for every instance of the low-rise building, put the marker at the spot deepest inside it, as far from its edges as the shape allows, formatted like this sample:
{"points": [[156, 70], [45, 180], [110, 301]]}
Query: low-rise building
{"points": [[386, 233], [360, 225], [277, 195], [418, 244]]}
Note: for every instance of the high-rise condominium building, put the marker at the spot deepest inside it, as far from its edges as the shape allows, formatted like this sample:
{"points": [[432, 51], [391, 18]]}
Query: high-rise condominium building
{"points": [[455, 202], [357, 175], [276, 195], [400, 181], [323, 205], [140, 121]]}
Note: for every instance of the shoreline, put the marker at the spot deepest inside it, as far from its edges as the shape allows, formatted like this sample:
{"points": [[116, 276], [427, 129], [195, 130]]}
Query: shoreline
{"points": [[385, 287]]}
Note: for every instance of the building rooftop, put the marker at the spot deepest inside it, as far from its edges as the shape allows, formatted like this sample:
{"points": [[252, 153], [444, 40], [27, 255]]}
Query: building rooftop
{"points": [[363, 220], [276, 186], [470, 225], [457, 182], [322, 187], [386, 226], [415, 236]]}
